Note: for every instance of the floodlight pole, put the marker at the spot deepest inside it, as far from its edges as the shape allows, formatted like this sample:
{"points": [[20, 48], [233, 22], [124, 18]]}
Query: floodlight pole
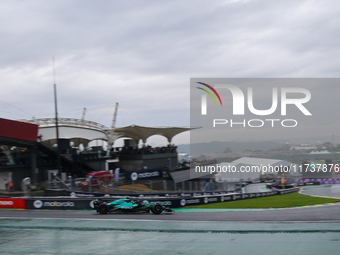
{"points": [[56, 120]]}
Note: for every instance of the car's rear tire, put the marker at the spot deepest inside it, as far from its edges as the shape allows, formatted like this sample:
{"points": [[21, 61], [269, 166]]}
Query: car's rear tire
{"points": [[157, 209], [103, 208]]}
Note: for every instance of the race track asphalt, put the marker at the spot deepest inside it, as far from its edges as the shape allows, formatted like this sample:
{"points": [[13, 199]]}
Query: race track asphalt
{"points": [[304, 230], [322, 191]]}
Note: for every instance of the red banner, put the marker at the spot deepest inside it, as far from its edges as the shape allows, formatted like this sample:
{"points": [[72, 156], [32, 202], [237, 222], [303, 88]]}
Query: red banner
{"points": [[12, 203], [18, 130]]}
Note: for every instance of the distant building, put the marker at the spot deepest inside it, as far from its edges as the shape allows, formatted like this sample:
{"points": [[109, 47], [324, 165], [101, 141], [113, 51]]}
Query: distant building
{"points": [[250, 169]]}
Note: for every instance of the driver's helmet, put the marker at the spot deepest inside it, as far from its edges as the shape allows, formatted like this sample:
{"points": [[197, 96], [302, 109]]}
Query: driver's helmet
{"points": [[127, 199]]}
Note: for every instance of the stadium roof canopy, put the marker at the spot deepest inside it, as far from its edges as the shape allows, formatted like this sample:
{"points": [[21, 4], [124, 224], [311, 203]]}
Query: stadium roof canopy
{"points": [[77, 135], [136, 132], [83, 131]]}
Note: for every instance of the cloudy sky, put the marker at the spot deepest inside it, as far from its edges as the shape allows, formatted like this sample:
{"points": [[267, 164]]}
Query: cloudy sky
{"points": [[142, 54]]}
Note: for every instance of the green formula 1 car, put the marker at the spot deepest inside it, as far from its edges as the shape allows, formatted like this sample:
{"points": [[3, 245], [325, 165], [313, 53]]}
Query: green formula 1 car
{"points": [[128, 205]]}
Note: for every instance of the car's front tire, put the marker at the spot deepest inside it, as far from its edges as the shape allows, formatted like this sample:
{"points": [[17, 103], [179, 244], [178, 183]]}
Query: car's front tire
{"points": [[103, 208]]}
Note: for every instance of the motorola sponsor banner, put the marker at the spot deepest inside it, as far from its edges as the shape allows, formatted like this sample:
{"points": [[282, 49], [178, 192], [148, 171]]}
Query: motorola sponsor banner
{"points": [[58, 204], [143, 174], [12, 203]]}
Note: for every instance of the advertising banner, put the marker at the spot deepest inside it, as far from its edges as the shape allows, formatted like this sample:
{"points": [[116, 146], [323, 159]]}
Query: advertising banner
{"points": [[12, 203], [174, 202], [58, 204], [286, 191], [143, 174], [182, 194], [18, 130]]}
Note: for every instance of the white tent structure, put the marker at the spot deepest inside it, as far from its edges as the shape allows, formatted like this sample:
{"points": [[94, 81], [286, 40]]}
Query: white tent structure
{"points": [[249, 169], [233, 173], [263, 162]]}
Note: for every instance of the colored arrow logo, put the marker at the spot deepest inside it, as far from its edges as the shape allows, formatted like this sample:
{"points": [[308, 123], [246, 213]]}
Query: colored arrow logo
{"points": [[209, 93]]}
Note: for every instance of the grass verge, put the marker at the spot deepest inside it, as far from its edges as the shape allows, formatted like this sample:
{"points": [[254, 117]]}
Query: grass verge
{"points": [[279, 201]]}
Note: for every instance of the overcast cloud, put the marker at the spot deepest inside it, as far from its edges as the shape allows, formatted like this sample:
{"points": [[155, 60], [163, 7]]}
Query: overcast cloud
{"points": [[142, 54]]}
